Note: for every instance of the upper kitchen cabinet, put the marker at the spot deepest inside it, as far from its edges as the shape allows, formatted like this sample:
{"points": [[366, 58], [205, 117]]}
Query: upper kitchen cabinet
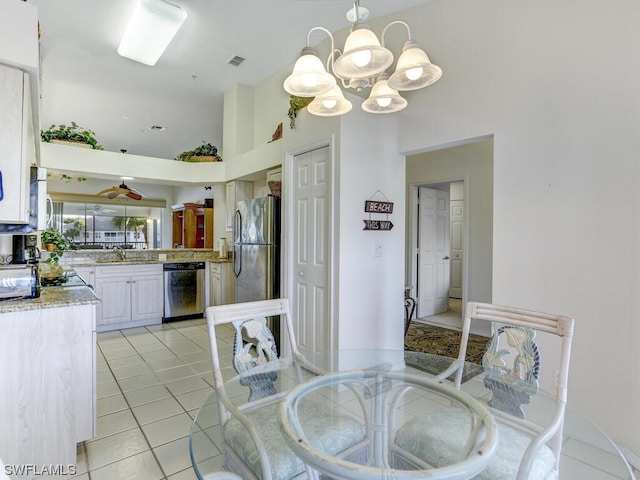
{"points": [[19, 120], [14, 132], [236, 191]]}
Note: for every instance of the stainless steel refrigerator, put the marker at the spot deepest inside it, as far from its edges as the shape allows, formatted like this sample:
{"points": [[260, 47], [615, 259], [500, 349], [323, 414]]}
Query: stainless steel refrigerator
{"points": [[256, 249]]}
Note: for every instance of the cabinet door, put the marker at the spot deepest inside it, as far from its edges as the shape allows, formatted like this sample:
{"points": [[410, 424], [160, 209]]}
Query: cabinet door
{"points": [[14, 184], [228, 280], [87, 274], [115, 293], [216, 286], [146, 297]]}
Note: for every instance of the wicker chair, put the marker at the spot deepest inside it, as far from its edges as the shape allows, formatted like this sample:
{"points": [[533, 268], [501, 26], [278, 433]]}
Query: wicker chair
{"points": [[252, 443], [512, 364]]}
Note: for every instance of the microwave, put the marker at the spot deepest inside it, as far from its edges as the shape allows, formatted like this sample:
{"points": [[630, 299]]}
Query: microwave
{"points": [[37, 205]]}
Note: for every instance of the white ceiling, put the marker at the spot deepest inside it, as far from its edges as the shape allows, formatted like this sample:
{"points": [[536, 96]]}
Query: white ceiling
{"points": [[86, 81]]}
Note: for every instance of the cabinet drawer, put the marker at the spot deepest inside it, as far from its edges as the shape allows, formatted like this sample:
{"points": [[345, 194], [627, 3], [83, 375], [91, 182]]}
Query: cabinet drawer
{"points": [[126, 270]]}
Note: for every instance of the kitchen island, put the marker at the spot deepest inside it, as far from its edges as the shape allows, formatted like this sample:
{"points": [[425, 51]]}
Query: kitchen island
{"points": [[48, 358]]}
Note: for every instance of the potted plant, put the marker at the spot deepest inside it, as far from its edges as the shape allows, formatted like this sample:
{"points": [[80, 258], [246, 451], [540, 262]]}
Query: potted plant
{"points": [[295, 105], [55, 243], [73, 134], [204, 153]]}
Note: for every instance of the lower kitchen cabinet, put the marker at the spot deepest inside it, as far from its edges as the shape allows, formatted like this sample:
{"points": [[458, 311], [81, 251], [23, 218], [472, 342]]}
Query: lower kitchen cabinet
{"points": [[132, 295], [48, 394], [223, 285]]}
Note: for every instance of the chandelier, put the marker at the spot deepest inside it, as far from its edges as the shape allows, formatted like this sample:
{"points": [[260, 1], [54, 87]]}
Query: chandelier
{"points": [[362, 64]]}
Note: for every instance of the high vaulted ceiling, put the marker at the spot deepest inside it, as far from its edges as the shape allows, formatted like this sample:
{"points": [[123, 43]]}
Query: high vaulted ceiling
{"points": [[86, 81]]}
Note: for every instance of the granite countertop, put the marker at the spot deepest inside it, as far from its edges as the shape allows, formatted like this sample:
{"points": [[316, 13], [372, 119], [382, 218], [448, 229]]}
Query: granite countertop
{"points": [[51, 297], [141, 257]]}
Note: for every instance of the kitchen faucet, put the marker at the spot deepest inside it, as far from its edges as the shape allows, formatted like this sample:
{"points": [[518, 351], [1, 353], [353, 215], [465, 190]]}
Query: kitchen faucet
{"points": [[121, 253]]}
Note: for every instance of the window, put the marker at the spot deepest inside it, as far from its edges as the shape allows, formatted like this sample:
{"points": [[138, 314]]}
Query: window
{"points": [[104, 226]]}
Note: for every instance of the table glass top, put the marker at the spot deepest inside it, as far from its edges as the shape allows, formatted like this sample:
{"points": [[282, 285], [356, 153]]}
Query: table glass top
{"points": [[579, 434]]}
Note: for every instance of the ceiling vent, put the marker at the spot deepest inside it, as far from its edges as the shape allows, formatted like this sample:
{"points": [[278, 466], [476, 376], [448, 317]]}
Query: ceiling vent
{"points": [[235, 60]]}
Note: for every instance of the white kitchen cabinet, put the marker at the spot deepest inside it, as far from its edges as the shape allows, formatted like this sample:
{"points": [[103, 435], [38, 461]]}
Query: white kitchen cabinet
{"points": [[88, 274], [14, 131], [223, 285], [132, 295], [237, 191], [48, 394]]}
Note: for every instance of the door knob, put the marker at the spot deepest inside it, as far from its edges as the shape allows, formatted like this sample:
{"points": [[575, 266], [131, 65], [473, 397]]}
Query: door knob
{"points": [[301, 274], [445, 258]]}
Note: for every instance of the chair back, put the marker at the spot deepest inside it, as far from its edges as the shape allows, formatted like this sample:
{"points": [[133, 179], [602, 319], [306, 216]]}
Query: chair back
{"points": [[512, 364], [253, 344]]}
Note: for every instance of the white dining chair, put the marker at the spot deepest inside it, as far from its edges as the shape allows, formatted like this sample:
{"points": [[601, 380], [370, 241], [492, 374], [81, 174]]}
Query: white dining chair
{"points": [[252, 442], [512, 365]]}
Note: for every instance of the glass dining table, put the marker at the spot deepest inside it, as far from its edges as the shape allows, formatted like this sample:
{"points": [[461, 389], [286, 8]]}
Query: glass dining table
{"points": [[587, 453]]}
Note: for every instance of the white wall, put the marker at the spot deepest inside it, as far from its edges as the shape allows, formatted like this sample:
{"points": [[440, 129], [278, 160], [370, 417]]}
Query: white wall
{"points": [[556, 83], [371, 309]]}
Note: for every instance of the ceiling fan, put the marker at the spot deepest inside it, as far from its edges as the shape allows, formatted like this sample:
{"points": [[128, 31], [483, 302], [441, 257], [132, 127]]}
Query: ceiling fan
{"points": [[114, 191], [99, 210]]}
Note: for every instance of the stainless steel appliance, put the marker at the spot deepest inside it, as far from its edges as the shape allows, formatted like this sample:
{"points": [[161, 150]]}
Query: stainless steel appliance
{"points": [[256, 252], [25, 249], [19, 281], [183, 291], [256, 255]]}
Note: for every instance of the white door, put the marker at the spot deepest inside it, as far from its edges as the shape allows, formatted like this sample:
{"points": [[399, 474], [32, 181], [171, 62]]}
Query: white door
{"points": [[310, 301], [457, 247], [433, 252]]}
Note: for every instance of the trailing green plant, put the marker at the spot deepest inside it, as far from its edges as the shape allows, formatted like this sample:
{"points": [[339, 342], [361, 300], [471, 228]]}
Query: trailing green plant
{"points": [[295, 105], [52, 236], [204, 150], [73, 133]]}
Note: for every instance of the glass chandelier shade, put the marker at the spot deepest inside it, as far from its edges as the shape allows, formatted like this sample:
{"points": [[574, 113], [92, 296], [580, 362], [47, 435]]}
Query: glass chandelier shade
{"points": [[361, 64], [363, 56], [383, 98], [414, 70], [330, 104], [309, 77]]}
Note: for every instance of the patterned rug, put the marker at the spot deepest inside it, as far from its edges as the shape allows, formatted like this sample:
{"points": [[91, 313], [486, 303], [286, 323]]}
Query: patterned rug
{"points": [[444, 342]]}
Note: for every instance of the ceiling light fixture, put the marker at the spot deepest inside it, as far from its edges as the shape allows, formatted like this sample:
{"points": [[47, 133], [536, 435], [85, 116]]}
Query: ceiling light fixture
{"points": [[362, 64], [152, 27]]}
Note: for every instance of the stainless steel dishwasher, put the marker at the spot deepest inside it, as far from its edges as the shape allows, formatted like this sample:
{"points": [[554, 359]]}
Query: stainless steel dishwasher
{"points": [[184, 295]]}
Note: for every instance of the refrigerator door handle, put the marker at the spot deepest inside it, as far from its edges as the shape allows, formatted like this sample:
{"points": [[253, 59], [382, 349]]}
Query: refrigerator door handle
{"points": [[237, 237]]}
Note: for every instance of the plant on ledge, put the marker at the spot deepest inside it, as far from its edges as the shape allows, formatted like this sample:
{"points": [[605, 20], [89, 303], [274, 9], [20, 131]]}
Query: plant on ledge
{"points": [[204, 153], [73, 133], [55, 243]]}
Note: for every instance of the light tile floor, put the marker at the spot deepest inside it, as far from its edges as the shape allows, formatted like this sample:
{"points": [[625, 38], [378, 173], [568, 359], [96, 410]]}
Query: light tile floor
{"points": [[151, 382]]}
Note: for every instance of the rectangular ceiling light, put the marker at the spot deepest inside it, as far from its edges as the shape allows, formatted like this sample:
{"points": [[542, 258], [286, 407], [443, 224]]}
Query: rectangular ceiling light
{"points": [[152, 27]]}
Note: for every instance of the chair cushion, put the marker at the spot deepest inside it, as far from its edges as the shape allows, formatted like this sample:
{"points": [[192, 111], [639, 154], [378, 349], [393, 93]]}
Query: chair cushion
{"points": [[332, 437], [437, 439]]}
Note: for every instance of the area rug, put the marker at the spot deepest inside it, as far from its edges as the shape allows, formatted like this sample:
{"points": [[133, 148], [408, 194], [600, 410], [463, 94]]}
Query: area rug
{"points": [[444, 342]]}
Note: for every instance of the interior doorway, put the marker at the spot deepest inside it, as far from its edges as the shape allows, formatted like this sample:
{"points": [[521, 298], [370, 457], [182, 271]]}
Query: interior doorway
{"points": [[471, 163], [440, 251]]}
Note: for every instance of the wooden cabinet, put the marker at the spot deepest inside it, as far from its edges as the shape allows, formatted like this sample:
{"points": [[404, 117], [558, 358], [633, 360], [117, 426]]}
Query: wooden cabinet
{"points": [[48, 394], [14, 128], [193, 226], [223, 285], [132, 295], [236, 191]]}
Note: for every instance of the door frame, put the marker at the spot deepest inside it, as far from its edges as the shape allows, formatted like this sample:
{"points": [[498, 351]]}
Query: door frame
{"points": [[287, 233], [412, 244]]}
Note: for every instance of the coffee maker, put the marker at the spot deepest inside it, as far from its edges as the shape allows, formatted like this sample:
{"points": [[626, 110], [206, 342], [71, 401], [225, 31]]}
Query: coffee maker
{"points": [[25, 249]]}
